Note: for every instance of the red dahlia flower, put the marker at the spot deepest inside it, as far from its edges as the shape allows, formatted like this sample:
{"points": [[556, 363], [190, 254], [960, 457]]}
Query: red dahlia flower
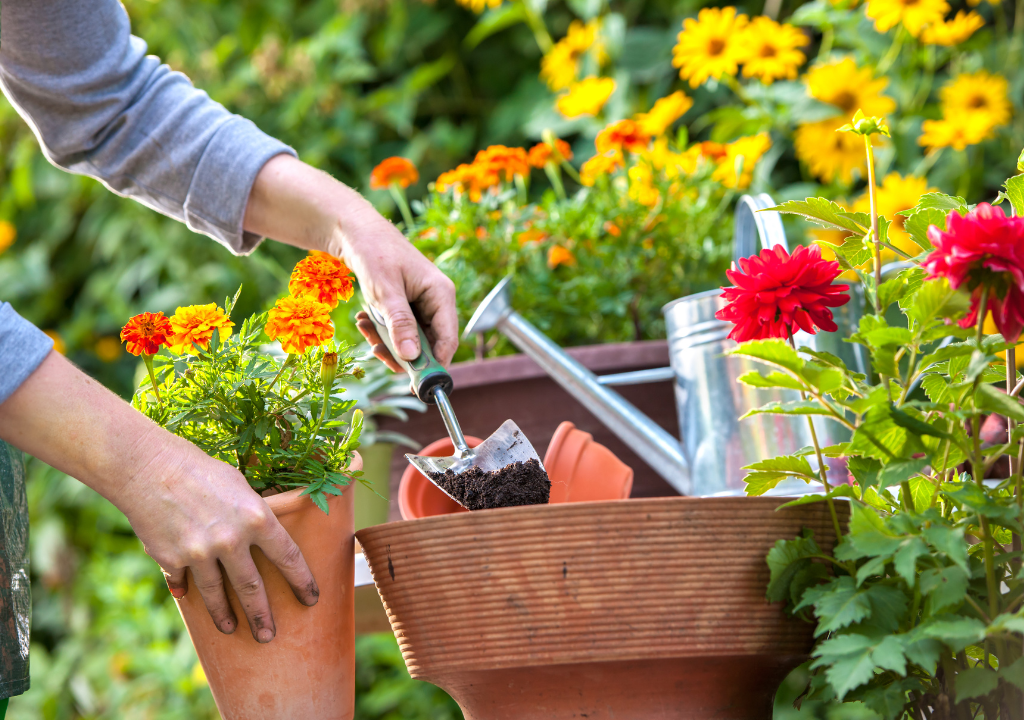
{"points": [[984, 248], [777, 294]]}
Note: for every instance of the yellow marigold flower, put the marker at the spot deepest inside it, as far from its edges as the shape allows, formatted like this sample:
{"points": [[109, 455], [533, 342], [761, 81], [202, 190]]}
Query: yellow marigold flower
{"points": [[709, 47], [957, 134], [559, 255], [299, 323], [736, 169], [665, 112], [107, 349], [599, 165], [768, 50], [323, 277], [915, 15], [897, 193], [621, 136], [953, 32], [478, 6], [672, 164], [58, 342], [849, 88], [194, 325], [8, 234], [641, 185], [980, 94], [560, 67], [829, 155], [586, 97]]}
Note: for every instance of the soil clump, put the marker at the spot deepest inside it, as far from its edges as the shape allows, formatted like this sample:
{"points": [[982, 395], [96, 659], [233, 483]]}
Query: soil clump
{"points": [[520, 483]]}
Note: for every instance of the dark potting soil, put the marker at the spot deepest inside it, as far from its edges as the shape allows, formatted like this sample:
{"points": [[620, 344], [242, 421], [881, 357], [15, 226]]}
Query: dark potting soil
{"points": [[521, 483]]}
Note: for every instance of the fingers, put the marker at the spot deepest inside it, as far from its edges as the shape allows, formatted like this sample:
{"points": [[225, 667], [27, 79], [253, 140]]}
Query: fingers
{"points": [[402, 326], [437, 307], [377, 346], [177, 582], [248, 584], [210, 582], [281, 550]]}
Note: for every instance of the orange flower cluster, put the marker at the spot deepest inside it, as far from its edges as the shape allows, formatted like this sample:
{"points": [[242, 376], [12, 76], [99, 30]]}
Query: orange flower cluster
{"points": [[542, 153], [599, 165], [323, 277], [194, 325], [624, 135], [299, 323], [501, 159], [393, 171], [559, 255], [146, 333]]}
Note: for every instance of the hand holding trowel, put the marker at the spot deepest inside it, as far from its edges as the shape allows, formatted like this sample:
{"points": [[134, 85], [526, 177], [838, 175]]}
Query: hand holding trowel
{"points": [[504, 470]]}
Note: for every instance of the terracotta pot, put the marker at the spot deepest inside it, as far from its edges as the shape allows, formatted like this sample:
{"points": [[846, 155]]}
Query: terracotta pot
{"points": [[417, 496], [643, 609], [581, 469], [308, 671]]}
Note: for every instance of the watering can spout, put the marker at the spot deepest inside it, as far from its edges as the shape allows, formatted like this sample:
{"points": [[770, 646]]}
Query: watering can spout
{"points": [[646, 438]]}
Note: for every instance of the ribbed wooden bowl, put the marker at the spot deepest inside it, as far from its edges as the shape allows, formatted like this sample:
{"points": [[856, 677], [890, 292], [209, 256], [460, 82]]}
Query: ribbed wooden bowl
{"points": [[637, 609]]}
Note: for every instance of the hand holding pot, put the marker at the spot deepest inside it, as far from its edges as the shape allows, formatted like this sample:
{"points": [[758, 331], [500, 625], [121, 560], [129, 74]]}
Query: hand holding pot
{"points": [[189, 510]]}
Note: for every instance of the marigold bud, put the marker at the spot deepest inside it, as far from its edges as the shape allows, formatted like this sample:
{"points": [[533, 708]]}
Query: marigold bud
{"points": [[358, 373], [328, 369]]}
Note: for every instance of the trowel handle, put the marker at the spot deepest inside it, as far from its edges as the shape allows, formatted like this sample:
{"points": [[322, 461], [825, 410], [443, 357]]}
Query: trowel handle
{"points": [[425, 373]]}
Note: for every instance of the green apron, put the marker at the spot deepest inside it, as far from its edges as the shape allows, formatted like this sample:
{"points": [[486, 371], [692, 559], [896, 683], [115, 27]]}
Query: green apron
{"points": [[15, 592]]}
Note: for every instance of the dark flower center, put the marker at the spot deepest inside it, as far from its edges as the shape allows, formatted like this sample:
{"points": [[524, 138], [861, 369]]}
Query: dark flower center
{"points": [[716, 46], [846, 101]]}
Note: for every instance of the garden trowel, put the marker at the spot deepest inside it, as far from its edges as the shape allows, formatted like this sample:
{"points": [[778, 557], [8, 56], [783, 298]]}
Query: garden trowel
{"points": [[432, 384]]}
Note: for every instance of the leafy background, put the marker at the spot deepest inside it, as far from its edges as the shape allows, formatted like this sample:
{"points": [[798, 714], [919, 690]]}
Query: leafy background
{"points": [[347, 83]]}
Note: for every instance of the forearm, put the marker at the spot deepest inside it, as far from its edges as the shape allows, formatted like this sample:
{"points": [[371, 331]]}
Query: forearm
{"points": [[68, 420]]}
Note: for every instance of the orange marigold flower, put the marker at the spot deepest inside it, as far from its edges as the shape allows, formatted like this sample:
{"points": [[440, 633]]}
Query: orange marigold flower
{"points": [[599, 165], [622, 135], [146, 333], [396, 170], [512, 160], [323, 277], [559, 255], [299, 323], [542, 153], [528, 236], [473, 179], [612, 229], [194, 325]]}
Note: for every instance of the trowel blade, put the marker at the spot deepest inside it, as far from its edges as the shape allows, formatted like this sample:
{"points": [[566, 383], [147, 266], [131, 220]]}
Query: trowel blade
{"points": [[506, 445]]}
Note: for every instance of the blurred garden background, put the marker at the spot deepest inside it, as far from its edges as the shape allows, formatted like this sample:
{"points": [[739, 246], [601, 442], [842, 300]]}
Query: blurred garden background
{"points": [[348, 83]]}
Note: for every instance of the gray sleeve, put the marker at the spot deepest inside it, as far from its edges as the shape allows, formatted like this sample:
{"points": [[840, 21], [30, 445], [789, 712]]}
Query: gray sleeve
{"points": [[23, 347], [101, 107]]}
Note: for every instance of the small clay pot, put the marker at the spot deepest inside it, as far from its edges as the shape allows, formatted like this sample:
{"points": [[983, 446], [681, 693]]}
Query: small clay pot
{"points": [[648, 609], [417, 496], [308, 671]]}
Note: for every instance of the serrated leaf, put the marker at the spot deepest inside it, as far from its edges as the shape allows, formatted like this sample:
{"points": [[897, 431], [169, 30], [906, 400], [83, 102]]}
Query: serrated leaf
{"points": [[827, 214], [875, 566], [938, 201], [773, 379], [954, 631], [944, 587], [897, 471], [795, 407], [989, 398], [785, 560], [884, 336], [869, 534], [1015, 193], [949, 541], [917, 225], [935, 299], [1014, 673], [772, 352], [791, 464], [918, 427], [975, 682], [922, 491], [841, 606], [758, 483], [905, 559]]}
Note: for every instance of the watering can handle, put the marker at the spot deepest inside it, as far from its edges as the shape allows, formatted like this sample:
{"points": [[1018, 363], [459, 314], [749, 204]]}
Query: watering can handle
{"points": [[753, 227], [425, 373]]}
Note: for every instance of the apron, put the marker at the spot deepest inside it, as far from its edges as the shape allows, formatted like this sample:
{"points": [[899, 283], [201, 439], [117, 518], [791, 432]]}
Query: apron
{"points": [[15, 592]]}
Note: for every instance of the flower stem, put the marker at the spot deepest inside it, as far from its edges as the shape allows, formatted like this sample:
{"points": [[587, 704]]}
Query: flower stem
{"points": [[289, 361], [976, 469], [537, 27], [148, 359], [555, 177], [312, 437], [398, 193], [877, 258]]}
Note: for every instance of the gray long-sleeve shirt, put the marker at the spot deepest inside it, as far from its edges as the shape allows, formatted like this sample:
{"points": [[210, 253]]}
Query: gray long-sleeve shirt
{"points": [[101, 107]]}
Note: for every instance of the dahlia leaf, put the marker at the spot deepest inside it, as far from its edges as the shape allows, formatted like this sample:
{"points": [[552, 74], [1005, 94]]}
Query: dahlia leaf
{"points": [[827, 214], [938, 201], [919, 427], [798, 407], [771, 380], [786, 464], [898, 471], [1015, 192], [975, 682], [758, 483], [989, 398], [918, 223], [771, 352]]}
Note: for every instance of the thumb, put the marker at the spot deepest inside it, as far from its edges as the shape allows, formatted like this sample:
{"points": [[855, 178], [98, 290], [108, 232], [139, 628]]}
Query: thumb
{"points": [[402, 327]]}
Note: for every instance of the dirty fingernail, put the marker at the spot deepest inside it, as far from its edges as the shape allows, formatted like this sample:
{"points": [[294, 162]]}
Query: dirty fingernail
{"points": [[227, 627], [265, 635], [408, 348]]}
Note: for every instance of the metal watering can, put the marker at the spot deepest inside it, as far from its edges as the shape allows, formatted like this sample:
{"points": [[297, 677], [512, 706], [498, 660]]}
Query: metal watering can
{"points": [[714, 443]]}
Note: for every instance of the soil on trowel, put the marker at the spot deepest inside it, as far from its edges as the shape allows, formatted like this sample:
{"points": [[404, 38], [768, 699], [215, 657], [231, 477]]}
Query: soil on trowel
{"points": [[521, 483]]}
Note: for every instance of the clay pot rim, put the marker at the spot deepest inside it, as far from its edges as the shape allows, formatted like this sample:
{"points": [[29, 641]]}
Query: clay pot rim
{"points": [[495, 514], [293, 500]]}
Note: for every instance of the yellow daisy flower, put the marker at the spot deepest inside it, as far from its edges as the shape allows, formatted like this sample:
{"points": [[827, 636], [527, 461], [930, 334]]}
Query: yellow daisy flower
{"points": [[849, 88], [586, 97], [829, 155], [769, 50], [957, 134], [665, 112], [915, 15], [560, 66], [982, 93], [897, 193], [741, 157], [953, 32], [709, 46], [671, 164]]}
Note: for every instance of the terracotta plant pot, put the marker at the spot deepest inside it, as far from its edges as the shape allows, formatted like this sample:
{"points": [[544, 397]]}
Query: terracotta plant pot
{"points": [[308, 671], [643, 609], [579, 468]]}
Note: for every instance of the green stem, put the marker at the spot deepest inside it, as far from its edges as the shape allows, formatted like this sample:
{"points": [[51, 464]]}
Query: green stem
{"points": [[877, 259], [976, 469], [894, 52], [828, 36], [289, 361], [521, 191], [312, 437], [555, 178], [537, 27], [148, 360], [571, 172], [398, 193]]}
